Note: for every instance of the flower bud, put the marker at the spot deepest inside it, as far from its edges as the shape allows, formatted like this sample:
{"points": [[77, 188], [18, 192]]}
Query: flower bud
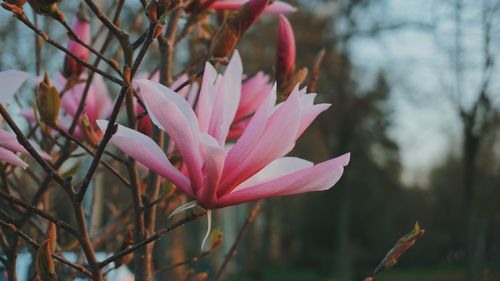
{"points": [[81, 27], [234, 26], [285, 52], [13, 8], [127, 242], [90, 135], [48, 102], [44, 6], [286, 88], [144, 124], [44, 263], [52, 236], [152, 11], [216, 239]]}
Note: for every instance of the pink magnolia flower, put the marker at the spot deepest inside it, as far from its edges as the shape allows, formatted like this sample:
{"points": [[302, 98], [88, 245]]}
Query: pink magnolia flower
{"points": [[277, 7], [285, 53], [254, 167], [10, 82], [81, 27], [254, 92]]}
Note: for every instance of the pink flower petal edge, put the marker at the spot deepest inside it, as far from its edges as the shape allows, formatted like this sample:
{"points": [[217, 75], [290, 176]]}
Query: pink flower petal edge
{"points": [[10, 81], [278, 7]]}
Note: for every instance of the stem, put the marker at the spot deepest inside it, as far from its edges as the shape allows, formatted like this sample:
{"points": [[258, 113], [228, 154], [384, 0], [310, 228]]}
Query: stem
{"points": [[84, 239], [232, 252], [155, 236]]}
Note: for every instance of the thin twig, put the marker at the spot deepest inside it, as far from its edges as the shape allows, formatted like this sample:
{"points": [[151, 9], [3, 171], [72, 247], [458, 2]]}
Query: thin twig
{"points": [[46, 38], [39, 212], [155, 236], [232, 252], [35, 245]]}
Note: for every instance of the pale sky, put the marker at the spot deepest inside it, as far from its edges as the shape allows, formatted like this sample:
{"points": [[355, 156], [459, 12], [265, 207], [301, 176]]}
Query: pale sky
{"points": [[418, 66]]}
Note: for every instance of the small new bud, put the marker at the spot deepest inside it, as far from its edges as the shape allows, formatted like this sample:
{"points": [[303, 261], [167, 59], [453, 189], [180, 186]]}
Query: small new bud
{"points": [[127, 242], [127, 75], [234, 26], [13, 8], [48, 102], [286, 88], [158, 30], [285, 52], [216, 239], [152, 11], [44, 263], [144, 124], [81, 28], [47, 7], [90, 135], [52, 236]]}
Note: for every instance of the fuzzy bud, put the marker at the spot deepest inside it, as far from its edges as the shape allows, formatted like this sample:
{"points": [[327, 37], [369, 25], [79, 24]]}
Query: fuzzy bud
{"points": [[127, 242], [234, 26], [286, 88], [81, 27], [216, 239], [13, 8], [285, 52], [44, 263], [48, 102], [144, 124], [52, 236], [90, 135], [47, 7]]}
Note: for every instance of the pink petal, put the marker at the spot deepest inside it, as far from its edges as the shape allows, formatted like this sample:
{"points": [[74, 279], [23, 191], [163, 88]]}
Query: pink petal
{"points": [[146, 151], [276, 140], [213, 156], [278, 7], [28, 114], [10, 81], [254, 92], [251, 135], [206, 97], [278, 168], [226, 100], [184, 91], [9, 141], [309, 111], [173, 114], [319, 177], [11, 158]]}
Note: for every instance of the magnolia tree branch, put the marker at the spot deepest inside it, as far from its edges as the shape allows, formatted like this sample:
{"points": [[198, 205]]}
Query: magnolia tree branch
{"points": [[66, 185], [90, 78], [35, 245], [39, 212], [24, 19], [155, 236], [76, 38]]}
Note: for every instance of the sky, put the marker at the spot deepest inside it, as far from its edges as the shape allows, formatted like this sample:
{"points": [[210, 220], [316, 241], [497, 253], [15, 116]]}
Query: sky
{"points": [[418, 65]]}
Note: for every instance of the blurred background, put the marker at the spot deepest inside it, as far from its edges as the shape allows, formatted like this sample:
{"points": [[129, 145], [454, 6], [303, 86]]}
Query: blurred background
{"points": [[415, 88]]}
